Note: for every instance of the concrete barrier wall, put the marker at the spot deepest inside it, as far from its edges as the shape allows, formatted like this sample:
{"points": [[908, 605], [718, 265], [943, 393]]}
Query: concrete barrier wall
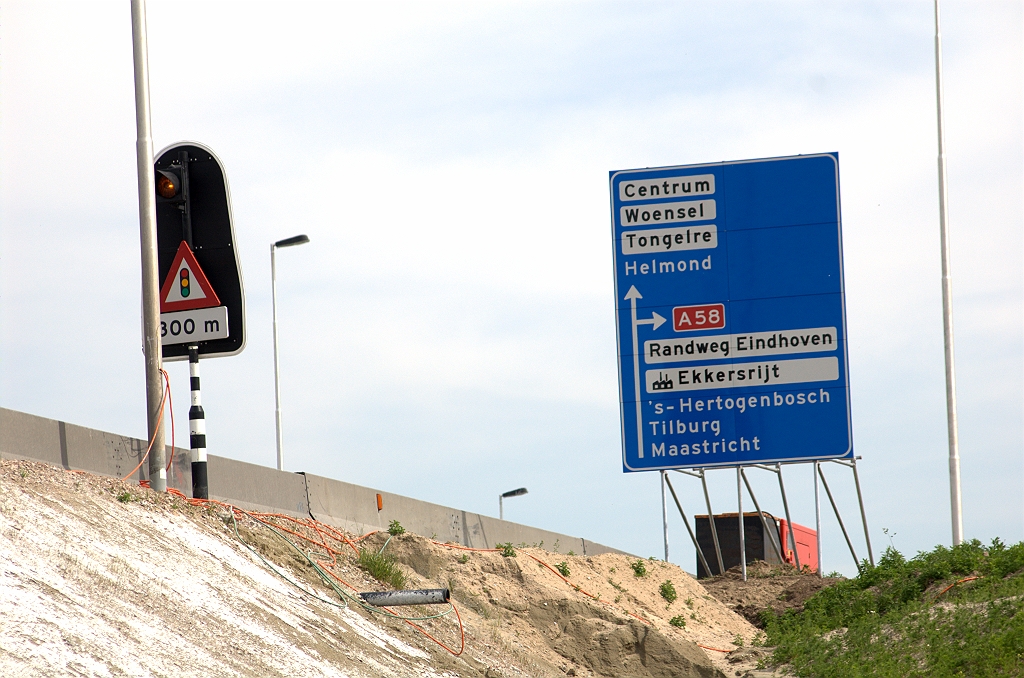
{"points": [[260, 488], [256, 488], [354, 509], [26, 436]]}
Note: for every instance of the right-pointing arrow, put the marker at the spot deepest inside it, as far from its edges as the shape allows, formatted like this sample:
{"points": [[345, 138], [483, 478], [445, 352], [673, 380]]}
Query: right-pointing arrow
{"points": [[655, 320]]}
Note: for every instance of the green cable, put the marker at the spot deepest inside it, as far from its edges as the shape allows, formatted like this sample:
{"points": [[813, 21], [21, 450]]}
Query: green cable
{"points": [[280, 574], [344, 595]]}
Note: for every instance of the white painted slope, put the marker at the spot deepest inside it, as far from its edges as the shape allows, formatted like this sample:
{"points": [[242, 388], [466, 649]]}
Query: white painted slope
{"points": [[90, 586]]}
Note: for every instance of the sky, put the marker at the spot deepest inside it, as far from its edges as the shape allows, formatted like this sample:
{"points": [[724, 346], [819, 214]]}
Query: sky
{"points": [[449, 331]]}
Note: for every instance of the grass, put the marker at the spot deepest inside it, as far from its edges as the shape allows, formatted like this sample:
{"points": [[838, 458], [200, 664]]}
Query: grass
{"points": [[911, 618], [382, 567]]}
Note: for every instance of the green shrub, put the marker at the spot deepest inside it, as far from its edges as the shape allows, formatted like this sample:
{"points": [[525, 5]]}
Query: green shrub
{"points": [[507, 550], [563, 568], [677, 621], [382, 567], [668, 591], [395, 528], [901, 618], [639, 569]]}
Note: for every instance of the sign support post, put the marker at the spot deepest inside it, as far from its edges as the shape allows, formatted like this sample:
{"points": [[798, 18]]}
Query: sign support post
{"points": [[817, 516], [743, 536], [197, 429], [147, 227], [664, 514]]}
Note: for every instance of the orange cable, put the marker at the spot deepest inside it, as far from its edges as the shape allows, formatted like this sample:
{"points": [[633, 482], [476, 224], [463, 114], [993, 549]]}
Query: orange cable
{"points": [[959, 581], [316, 526], [170, 404], [159, 419], [462, 630]]}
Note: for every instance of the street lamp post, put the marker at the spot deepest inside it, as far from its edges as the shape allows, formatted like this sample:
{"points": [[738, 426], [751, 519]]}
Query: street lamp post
{"points": [[511, 493], [287, 242]]}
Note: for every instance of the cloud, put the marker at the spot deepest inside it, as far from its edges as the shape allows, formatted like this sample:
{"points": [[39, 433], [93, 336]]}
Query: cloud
{"points": [[452, 317]]}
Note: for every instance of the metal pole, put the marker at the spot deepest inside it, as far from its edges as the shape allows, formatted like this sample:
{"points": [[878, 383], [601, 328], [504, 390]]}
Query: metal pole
{"points": [[817, 517], [277, 371], [664, 514], [835, 509], [711, 519], [501, 508], [150, 264], [785, 506], [955, 502], [743, 538], [197, 429], [863, 515], [693, 537], [768, 532]]}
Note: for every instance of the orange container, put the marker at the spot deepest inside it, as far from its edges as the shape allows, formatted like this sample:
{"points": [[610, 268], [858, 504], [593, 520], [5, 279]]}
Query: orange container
{"points": [[806, 544]]}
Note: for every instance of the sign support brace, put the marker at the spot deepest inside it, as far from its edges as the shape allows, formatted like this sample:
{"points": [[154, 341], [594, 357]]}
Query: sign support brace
{"points": [[693, 537], [741, 480]]}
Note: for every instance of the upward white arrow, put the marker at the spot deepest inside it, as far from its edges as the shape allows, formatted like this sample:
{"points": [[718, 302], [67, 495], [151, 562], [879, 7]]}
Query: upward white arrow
{"points": [[633, 294]]}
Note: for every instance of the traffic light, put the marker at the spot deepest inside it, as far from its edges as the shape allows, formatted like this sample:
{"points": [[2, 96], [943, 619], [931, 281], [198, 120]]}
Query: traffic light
{"points": [[172, 188], [169, 185], [193, 205]]}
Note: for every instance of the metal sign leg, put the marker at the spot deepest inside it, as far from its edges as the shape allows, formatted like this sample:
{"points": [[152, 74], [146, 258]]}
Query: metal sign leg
{"points": [[743, 538], [664, 514], [785, 505], [838, 517], [769, 533], [197, 429], [693, 537], [711, 519], [817, 516], [863, 515]]}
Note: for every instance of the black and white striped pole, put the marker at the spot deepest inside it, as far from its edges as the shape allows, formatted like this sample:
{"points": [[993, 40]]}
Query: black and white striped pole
{"points": [[197, 429]]}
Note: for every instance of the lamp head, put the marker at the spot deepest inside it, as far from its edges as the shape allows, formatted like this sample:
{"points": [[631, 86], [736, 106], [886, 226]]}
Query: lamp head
{"points": [[294, 240]]}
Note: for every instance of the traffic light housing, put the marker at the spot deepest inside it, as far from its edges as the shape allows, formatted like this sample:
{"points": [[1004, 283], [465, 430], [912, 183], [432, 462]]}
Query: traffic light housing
{"points": [[193, 205], [169, 185]]}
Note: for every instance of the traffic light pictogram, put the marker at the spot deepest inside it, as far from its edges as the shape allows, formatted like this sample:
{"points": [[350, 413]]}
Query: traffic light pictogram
{"points": [[183, 281]]}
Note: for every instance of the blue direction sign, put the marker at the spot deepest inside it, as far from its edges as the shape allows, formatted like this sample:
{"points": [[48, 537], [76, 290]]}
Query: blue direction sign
{"points": [[731, 315]]}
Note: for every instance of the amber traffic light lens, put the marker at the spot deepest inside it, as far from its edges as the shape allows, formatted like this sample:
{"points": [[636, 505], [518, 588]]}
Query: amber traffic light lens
{"points": [[166, 186]]}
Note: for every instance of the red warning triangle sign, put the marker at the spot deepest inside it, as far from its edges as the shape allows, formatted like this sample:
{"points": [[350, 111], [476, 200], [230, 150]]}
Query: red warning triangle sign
{"points": [[186, 286]]}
